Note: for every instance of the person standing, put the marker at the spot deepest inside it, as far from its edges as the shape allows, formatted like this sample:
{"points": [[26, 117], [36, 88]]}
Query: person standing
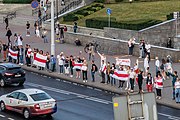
{"points": [[44, 35], [112, 69], [71, 61], [140, 49], [75, 27], [78, 71], [6, 22], [94, 69], [177, 90], [53, 63], [91, 52], [146, 64], [102, 71], [84, 70], [108, 72], [48, 60], [61, 59], [174, 78], [37, 32], [35, 26], [29, 56], [149, 82], [19, 40], [157, 64], [103, 57], [132, 77], [140, 81], [9, 34], [148, 47], [57, 30], [158, 85], [66, 66], [27, 28], [131, 46]]}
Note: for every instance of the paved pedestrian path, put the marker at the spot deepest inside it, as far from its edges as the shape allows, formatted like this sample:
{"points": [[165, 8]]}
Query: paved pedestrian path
{"points": [[74, 50]]}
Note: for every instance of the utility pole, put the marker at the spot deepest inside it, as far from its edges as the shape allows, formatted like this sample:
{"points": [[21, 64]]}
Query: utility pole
{"points": [[52, 28], [57, 9]]}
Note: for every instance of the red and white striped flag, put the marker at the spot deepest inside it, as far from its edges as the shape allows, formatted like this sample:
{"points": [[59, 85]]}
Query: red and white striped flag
{"points": [[13, 54], [40, 60], [77, 65], [104, 68], [121, 75]]}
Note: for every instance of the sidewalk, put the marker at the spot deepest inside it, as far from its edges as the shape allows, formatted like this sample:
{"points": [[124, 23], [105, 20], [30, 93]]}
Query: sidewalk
{"points": [[74, 50]]}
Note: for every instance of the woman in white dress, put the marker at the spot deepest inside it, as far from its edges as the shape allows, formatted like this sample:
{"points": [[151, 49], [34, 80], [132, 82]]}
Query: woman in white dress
{"points": [[37, 32]]}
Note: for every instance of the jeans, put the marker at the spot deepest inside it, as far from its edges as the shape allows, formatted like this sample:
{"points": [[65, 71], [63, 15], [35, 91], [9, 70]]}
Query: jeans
{"points": [[61, 68], [92, 74], [21, 59], [45, 39], [132, 83], [113, 81], [53, 67], [157, 70], [177, 93], [173, 93], [47, 65]]}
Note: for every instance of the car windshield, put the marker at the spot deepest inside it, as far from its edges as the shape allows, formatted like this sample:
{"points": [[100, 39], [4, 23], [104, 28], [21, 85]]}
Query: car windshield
{"points": [[14, 68], [40, 96]]}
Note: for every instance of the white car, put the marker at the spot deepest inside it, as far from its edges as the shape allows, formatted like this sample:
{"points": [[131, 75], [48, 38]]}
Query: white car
{"points": [[29, 102]]}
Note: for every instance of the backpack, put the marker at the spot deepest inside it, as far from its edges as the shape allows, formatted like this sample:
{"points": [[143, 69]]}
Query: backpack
{"points": [[96, 68]]}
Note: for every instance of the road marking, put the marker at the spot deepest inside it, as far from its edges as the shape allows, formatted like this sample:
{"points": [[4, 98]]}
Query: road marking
{"points": [[2, 116], [45, 76], [68, 93], [58, 79], [169, 116], [74, 83], [97, 89], [89, 87], [10, 119]]}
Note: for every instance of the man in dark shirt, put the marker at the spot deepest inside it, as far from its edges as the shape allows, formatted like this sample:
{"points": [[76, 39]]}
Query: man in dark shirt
{"points": [[93, 70], [7, 22], [9, 34], [27, 28]]}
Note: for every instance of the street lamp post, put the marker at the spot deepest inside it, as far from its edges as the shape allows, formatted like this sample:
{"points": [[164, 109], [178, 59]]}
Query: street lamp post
{"points": [[52, 28]]}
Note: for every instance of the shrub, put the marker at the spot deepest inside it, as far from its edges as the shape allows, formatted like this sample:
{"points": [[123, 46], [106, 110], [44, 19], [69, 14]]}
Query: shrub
{"points": [[98, 5], [72, 17], [100, 1], [17, 1], [118, 0], [100, 23]]}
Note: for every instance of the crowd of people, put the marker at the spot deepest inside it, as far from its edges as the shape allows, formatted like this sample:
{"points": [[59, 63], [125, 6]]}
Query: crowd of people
{"points": [[79, 67]]}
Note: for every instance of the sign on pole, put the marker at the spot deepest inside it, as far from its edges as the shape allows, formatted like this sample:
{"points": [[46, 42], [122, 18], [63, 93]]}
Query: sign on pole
{"points": [[109, 11], [34, 4], [176, 15]]}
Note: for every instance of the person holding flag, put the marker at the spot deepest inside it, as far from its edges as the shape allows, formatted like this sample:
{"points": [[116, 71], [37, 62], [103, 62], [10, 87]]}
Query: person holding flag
{"points": [[103, 58], [103, 71]]}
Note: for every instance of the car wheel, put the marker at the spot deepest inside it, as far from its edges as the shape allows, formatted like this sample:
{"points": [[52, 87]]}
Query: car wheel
{"points": [[2, 83], [21, 84], [26, 114], [2, 106]]}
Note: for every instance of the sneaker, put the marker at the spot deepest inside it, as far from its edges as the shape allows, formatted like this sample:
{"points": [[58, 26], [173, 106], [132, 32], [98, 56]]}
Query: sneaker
{"points": [[71, 76], [79, 77], [159, 98], [129, 89], [84, 81], [126, 88]]}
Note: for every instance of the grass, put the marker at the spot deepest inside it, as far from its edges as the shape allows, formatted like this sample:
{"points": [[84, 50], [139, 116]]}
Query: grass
{"points": [[135, 11]]}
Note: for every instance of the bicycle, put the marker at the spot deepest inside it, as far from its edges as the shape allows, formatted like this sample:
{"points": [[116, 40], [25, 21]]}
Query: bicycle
{"points": [[95, 44]]}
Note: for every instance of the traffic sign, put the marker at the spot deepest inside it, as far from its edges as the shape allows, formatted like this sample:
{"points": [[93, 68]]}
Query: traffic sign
{"points": [[34, 4], [109, 11], [176, 15]]}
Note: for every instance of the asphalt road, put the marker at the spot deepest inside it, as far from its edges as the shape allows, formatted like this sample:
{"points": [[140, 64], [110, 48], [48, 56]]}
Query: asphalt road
{"points": [[76, 102]]}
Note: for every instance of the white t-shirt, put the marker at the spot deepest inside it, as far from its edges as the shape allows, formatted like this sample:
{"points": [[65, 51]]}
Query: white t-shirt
{"points": [[148, 46], [177, 84], [157, 63], [132, 75], [60, 59], [19, 41]]}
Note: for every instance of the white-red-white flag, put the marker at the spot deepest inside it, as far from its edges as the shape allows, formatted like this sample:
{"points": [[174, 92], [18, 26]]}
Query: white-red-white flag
{"points": [[126, 62], [40, 60], [104, 68], [77, 65], [121, 75], [13, 54]]}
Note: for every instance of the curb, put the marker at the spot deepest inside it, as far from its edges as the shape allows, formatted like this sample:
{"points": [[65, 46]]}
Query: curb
{"points": [[90, 84]]}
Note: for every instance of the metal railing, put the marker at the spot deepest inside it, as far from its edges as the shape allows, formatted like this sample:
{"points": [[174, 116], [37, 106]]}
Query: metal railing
{"points": [[65, 9]]}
